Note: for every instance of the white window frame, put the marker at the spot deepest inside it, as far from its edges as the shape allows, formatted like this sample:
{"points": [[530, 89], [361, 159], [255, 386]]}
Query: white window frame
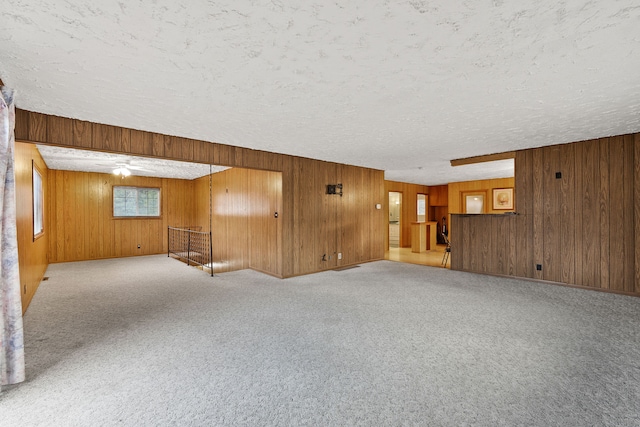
{"points": [[38, 202], [117, 214]]}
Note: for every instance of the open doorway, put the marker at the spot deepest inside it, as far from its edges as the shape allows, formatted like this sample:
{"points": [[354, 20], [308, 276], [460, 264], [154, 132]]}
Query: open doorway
{"points": [[395, 215], [236, 206]]}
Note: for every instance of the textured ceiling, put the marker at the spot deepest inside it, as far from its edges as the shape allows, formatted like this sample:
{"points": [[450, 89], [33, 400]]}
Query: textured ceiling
{"points": [[93, 161], [402, 86]]}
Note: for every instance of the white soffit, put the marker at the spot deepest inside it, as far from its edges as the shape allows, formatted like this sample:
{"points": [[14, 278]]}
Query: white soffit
{"points": [[401, 86], [70, 159]]}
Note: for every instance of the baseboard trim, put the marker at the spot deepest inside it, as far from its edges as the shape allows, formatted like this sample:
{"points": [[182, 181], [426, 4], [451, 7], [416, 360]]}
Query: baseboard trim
{"points": [[550, 282]]}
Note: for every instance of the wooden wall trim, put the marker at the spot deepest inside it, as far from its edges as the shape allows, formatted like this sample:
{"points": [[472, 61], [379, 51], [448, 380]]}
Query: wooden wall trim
{"points": [[551, 282], [61, 131], [484, 158]]}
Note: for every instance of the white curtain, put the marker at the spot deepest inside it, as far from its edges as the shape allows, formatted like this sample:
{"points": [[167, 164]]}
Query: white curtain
{"points": [[11, 333]]}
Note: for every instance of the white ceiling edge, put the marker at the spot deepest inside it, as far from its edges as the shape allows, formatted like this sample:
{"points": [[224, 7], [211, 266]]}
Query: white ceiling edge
{"points": [[71, 159]]}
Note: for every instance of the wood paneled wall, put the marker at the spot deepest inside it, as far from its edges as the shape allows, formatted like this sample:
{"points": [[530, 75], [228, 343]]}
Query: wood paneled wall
{"points": [[312, 222], [409, 204], [230, 211], [580, 226], [265, 227], [327, 224], [439, 195], [81, 222], [439, 203], [32, 255], [486, 244], [245, 232]]}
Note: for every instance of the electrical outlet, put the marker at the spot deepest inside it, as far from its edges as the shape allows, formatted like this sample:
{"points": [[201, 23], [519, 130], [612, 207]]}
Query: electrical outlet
{"points": [[539, 267], [138, 246], [339, 255]]}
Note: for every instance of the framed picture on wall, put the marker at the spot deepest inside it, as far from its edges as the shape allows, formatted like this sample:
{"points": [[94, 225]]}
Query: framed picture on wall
{"points": [[503, 198]]}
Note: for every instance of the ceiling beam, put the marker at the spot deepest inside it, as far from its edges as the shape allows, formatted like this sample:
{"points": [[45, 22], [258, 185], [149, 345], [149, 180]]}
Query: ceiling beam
{"points": [[484, 158]]}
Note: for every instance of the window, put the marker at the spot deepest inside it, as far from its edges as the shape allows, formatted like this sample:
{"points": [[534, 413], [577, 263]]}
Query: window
{"points": [[136, 201], [38, 203]]}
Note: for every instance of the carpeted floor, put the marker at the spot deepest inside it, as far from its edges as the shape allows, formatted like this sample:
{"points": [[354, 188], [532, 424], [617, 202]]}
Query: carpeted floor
{"points": [[150, 341]]}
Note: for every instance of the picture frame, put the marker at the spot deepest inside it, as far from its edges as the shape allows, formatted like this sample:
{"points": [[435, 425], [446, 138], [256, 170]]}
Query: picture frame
{"points": [[503, 199]]}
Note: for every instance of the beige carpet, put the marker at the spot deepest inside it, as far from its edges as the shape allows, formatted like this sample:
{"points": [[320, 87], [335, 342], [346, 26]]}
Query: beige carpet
{"points": [[149, 341]]}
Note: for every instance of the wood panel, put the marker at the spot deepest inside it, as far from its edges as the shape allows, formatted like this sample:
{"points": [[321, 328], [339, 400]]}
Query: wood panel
{"points": [[140, 142], [104, 137], [590, 211], [287, 239], [245, 232], [524, 205], [551, 220], [37, 127], [438, 195], [81, 208], [567, 194], [32, 254], [583, 225], [60, 129], [22, 125], [577, 220], [636, 210], [265, 189], [612, 213], [484, 244], [82, 134], [629, 229]]}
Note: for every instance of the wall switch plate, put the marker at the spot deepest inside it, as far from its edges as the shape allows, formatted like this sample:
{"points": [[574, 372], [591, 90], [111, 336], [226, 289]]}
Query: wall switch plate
{"points": [[339, 255]]}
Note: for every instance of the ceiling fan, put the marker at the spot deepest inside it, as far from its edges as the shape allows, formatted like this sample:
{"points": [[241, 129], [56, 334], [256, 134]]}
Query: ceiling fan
{"points": [[124, 168]]}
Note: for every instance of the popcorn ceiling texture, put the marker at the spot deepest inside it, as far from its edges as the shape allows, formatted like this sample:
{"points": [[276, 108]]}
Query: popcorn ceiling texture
{"points": [[70, 159], [402, 86]]}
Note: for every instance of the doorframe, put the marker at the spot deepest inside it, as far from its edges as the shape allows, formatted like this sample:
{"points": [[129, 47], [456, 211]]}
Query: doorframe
{"points": [[399, 218]]}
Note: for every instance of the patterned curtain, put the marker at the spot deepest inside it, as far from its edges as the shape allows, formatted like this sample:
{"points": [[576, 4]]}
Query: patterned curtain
{"points": [[11, 334]]}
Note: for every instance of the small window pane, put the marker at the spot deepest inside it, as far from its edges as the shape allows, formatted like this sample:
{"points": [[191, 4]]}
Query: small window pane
{"points": [[135, 202], [38, 203]]}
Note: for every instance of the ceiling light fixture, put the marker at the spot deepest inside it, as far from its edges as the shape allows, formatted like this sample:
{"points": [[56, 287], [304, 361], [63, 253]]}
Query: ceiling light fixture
{"points": [[122, 171]]}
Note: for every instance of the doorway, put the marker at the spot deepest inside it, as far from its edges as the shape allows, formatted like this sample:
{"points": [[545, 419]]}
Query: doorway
{"points": [[395, 215]]}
